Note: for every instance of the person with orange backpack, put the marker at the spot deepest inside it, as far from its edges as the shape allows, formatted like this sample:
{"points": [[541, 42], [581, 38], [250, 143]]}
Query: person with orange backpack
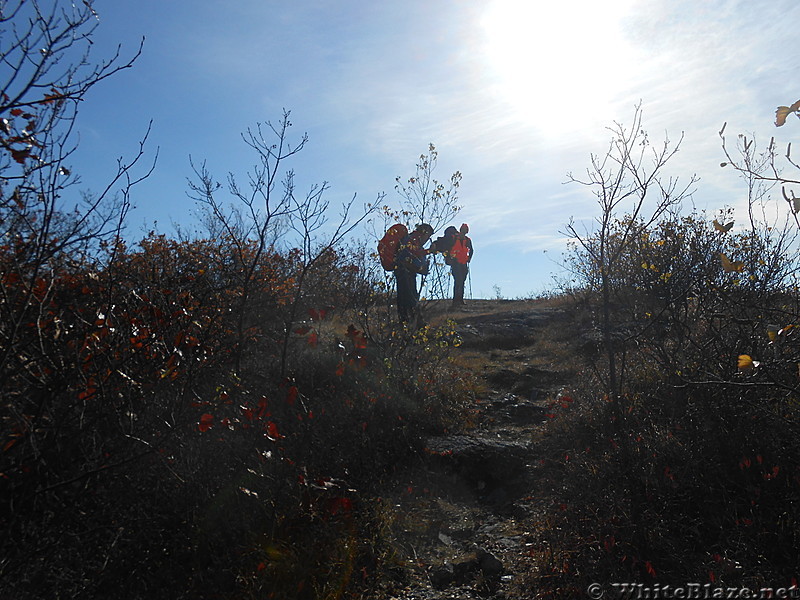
{"points": [[407, 257], [458, 257]]}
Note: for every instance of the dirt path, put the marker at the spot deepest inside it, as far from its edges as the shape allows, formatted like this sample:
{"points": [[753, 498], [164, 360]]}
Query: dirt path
{"points": [[463, 524]]}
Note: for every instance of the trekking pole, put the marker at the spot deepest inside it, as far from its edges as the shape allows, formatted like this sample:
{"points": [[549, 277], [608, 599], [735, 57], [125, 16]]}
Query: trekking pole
{"points": [[469, 276]]}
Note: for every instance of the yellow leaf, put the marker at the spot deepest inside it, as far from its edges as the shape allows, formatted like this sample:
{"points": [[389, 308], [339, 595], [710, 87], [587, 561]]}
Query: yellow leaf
{"points": [[745, 363], [730, 266], [784, 111], [722, 228], [772, 332]]}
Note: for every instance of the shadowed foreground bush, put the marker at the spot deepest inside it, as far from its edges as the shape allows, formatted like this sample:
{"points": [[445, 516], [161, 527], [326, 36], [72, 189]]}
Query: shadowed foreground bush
{"points": [[152, 448], [691, 474]]}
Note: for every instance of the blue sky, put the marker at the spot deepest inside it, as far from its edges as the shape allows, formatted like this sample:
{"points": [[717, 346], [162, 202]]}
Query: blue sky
{"points": [[515, 94]]}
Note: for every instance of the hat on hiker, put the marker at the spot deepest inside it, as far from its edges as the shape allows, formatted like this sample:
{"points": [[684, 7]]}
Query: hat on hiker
{"points": [[464, 228]]}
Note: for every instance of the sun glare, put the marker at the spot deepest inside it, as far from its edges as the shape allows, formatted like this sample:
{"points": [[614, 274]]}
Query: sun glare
{"points": [[558, 64]]}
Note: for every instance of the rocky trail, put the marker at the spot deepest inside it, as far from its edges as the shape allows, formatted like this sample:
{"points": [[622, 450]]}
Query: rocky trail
{"points": [[464, 522]]}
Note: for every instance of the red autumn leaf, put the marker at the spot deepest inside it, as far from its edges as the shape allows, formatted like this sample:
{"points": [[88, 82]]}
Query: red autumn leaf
{"points": [[272, 431], [302, 330], [15, 112], [313, 340], [21, 155], [650, 570], [343, 505], [317, 314], [206, 421], [359, 341], [54, 96], [87, 393], [291, 395], [340, 369]]}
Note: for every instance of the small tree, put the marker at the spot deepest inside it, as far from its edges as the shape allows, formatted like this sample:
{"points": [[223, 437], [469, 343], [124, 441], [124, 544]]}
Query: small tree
{"points": [[424, 199], [273, 214], [627, 178]]}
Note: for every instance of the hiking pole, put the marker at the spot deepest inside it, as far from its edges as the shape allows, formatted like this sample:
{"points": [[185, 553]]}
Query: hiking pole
{"points": [[469, 276]]}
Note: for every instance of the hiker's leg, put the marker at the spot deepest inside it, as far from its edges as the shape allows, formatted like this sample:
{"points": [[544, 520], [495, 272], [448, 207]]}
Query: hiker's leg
{"points": [[459, 277], [413, 295], [406, 293]]}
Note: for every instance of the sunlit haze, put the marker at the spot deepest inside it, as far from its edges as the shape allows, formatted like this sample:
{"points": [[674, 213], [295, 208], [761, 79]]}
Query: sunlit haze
{"points": [[555, 63]]}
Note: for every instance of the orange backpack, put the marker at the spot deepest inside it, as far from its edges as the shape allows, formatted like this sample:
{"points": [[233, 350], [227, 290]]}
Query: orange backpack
{"points": [[460, 251], [387, 246]]}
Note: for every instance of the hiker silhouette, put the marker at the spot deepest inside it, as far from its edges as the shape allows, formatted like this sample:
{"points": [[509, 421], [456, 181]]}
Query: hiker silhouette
{"points": [[411, 260], [456, 246]]}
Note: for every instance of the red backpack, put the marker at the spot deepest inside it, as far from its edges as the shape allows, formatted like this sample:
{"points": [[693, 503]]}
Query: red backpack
{"points": [[387, 246], [460, 251]]}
